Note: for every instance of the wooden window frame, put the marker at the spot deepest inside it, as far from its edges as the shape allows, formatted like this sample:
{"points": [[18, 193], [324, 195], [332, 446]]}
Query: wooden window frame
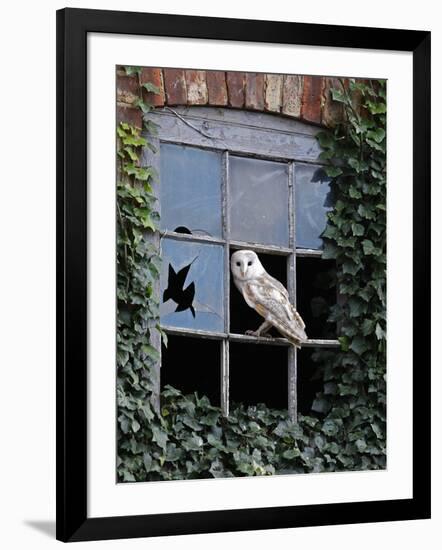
{"points": [[250, 135]]}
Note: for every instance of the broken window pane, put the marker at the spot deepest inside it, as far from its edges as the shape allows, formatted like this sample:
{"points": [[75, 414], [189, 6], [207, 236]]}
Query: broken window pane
{"points": [[192, 285], [190, 190], [313, 200], [258, 197], [315, 295], [258, 374], [201, 374]]}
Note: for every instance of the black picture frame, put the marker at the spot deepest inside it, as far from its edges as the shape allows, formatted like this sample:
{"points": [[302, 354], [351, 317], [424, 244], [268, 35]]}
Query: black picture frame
{"points": [[73, 25]]}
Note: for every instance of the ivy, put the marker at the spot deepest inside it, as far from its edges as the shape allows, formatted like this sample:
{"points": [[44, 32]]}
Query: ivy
{"points": [[188, 437], [356, 151]]}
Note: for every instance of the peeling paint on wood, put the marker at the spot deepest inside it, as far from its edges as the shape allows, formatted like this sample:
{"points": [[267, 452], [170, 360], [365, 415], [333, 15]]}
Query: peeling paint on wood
{"points": [[238, 138]]}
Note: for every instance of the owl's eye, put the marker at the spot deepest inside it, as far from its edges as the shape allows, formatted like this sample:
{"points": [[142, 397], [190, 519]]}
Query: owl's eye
{"points": [[238, 263], [249, 263]]}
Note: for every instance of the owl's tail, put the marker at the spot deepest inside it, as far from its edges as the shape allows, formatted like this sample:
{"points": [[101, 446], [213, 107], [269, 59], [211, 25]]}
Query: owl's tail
{"points": [[294, 331]]}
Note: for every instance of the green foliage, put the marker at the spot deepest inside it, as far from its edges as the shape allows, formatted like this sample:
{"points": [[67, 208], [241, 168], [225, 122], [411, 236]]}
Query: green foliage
{"points": [[189, 438], [356, 238]]}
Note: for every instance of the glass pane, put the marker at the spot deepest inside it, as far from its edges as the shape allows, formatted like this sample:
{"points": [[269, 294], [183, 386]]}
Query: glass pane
{"points": [[190, 190], [258, 196], [313, 200], [192, 285]]}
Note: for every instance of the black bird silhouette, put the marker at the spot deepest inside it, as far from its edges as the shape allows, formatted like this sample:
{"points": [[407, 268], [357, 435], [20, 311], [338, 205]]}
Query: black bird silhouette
{"points": [[175, 290]]}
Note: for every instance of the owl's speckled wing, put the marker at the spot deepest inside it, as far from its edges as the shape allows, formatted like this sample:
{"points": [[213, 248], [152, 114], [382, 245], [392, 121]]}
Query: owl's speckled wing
{"points": [[271, 300]]}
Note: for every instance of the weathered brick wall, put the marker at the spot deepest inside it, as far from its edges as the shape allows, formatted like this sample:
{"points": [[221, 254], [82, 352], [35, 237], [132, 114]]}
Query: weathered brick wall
{"points": [[305, 98]]}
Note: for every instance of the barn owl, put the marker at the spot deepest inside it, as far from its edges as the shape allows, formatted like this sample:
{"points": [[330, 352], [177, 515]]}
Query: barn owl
{"points": [[267, 296]]}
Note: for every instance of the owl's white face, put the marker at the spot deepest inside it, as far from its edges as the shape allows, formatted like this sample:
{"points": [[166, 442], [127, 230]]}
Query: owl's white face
{"points": [[245, 265]]}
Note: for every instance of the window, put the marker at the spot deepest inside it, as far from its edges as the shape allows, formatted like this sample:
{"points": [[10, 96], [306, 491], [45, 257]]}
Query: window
{"points": [[231, 180]]}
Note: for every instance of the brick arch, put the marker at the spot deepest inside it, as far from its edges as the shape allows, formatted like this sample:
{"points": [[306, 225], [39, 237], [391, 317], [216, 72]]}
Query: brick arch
{"points": [[301, 97]]}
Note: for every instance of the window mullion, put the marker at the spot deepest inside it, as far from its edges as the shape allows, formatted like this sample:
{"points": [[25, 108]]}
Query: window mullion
{"points": [[292, 374], [225, 352]]}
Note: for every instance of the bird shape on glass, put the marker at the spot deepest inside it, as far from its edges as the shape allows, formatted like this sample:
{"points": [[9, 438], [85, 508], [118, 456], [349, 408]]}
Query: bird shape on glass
{"points": [[267, 296], [175, 290]]}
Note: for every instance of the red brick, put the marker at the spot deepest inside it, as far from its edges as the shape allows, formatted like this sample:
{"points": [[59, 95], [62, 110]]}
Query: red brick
{"points": [[131, 115], [127, 88], [175, 86], [273, 92], [235, 86], [292, 95], [196, 87], [155, 77], [332, 111], [255, 91], [312, 99], [216, 84]]}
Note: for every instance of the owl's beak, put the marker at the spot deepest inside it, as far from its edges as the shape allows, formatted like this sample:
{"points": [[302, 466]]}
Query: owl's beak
{"points": [[243, 272]]}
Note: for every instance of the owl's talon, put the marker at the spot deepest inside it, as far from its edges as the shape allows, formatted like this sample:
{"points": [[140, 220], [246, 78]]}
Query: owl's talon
{"points": [[258, 334]]}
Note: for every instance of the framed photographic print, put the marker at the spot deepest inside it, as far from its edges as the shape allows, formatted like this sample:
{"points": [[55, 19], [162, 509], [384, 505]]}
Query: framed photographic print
{"points": [[243, 274]]}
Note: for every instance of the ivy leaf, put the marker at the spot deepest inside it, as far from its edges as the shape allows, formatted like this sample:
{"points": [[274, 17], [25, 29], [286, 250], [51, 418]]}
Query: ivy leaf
{"points": [[345, 345], [160, 437], [361, 445], [359, 345], [291, 453], [368, 247], [151, 87], [380, 332], [357, 229], [333, 171], [145, 107], [377, 135], [133, 156], [193, 443], [338, 95], [321, 405], [376, 107], [354, 193], [325, 140], [151, 352], [366, 211], [132, 70], [359, 166], [147, 461], [135, 426]]}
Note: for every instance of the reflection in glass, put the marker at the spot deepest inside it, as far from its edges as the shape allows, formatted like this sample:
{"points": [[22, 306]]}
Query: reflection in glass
{"points": [[190, 190], [313, 200], [192, 285], [258, 199]]}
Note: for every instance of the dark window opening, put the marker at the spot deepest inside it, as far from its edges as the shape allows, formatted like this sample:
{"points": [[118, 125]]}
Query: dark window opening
{"points": [[315, 293], [243, 317], [192, 365], [310, 381], [258, 374]]}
